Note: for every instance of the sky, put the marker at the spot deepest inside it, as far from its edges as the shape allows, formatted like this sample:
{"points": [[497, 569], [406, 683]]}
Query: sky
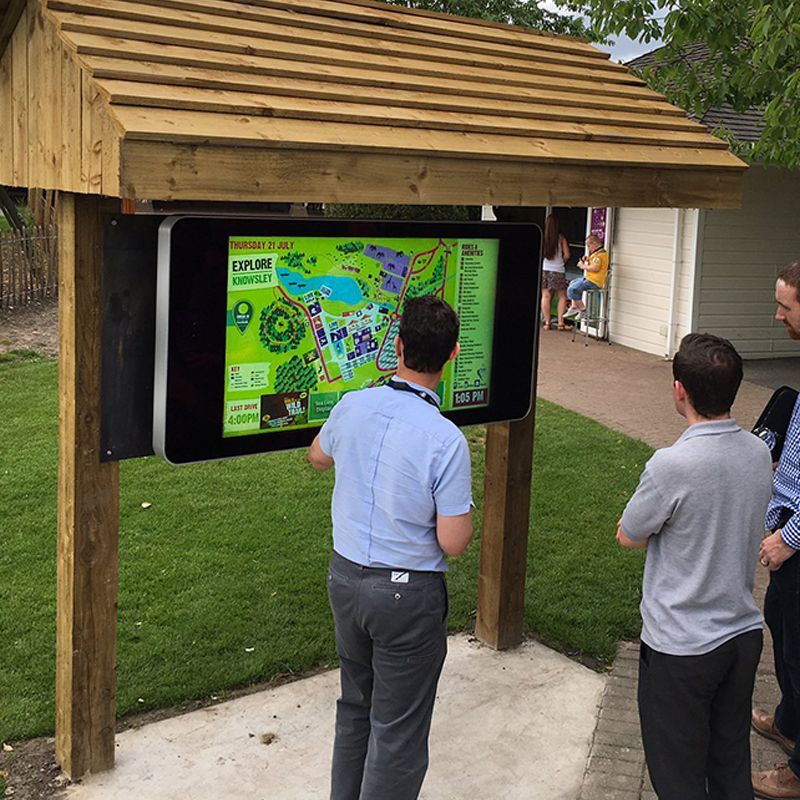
{"points": [[623, 49]]}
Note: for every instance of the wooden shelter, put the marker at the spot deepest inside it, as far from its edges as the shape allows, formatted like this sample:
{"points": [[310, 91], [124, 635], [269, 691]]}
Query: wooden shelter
{"points": [[301, 100]]}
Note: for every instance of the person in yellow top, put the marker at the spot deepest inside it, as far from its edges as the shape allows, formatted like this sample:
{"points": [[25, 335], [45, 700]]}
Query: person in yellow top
{"points": [[595, 271]]}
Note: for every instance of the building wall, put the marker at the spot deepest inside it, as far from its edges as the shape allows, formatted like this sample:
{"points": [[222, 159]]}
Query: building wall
{"points": [[742, 250], [641, 260]]}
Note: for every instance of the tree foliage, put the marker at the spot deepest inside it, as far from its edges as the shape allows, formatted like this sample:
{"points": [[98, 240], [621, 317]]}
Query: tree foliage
{"points": [[746, 53], [511, 12]]}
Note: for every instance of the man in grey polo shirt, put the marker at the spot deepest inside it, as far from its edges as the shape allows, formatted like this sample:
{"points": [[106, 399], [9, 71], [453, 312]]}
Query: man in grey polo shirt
{"points": [[401, 501], [699, 511]]}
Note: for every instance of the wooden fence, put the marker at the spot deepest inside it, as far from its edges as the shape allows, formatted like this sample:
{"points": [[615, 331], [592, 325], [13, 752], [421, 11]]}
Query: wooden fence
{"points": [[28, 266]]}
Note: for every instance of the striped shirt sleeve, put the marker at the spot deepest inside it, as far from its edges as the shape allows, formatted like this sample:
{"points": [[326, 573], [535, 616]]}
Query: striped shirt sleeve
{"points": [[786, 485]]}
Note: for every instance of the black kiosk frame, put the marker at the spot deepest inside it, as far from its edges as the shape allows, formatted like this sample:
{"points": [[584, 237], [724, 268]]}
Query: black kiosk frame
{"points": [[191, 326]]}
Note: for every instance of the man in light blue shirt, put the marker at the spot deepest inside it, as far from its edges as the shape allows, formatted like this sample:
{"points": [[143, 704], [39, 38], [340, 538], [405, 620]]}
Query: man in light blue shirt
{"points": [[402, 501]]}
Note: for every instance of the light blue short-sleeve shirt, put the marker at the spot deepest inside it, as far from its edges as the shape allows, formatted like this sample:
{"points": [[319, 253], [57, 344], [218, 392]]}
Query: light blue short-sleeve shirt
{"points": [[399, 463]]}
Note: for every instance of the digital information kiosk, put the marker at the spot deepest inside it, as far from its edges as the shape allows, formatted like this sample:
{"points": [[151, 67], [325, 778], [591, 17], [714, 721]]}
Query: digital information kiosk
{"points": [[263, 324]]}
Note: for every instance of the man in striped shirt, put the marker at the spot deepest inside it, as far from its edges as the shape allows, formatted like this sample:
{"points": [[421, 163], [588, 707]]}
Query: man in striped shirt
{"points": [[782, 602]]}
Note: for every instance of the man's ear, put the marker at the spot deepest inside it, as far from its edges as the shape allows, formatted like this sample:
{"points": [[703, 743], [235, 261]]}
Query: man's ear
{"points": [[398, 347], [456, 351], [680, 391]]}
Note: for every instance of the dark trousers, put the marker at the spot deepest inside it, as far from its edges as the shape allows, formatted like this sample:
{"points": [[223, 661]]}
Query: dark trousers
{"points": [[392, 640], [782, 613], [695, 717]]}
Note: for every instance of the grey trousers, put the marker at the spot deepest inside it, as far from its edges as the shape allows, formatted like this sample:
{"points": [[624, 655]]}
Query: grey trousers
{"points": [[392, 640]]}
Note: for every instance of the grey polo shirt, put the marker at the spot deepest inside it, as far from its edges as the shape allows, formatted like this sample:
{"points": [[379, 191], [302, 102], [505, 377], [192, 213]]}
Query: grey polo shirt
{"points": [[702, 503]]}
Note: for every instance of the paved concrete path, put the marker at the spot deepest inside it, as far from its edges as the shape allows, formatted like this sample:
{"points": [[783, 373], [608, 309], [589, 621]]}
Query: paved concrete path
{"points": [[510, 726], [629, 391]]}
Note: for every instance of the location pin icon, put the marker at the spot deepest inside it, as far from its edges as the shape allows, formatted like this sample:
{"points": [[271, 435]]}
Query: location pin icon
{"points": [[242, 314]]}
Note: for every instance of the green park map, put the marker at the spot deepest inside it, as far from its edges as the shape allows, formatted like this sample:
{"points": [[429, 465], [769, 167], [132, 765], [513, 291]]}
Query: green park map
{"points": [[310, 318]]}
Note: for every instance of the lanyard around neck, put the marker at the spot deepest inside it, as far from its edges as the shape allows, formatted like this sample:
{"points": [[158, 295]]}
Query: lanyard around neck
{"points": [[404, 387]]}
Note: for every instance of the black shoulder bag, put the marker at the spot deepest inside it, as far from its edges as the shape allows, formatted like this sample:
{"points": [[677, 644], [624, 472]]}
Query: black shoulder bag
{"points": [[773, 423]]}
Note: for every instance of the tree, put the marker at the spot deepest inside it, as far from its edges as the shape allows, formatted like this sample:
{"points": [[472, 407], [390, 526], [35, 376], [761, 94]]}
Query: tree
{"points": [[511, 12], [749, 56]]}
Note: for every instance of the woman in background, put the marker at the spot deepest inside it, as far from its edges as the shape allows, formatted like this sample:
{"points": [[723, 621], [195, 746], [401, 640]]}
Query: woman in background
{"points": [[556, 254]]}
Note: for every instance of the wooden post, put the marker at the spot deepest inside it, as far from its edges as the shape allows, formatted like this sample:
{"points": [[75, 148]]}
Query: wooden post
{"points": [[504, 541], [88, 508]]}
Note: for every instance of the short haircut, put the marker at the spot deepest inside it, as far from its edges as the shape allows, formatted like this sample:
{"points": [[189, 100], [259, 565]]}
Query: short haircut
{"points": [[790, 275], [710, 370], [429, 332], [594, 239]]}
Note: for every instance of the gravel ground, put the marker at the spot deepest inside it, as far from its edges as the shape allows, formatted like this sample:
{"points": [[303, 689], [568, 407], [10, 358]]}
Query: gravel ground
{"points": [[33, 327]]}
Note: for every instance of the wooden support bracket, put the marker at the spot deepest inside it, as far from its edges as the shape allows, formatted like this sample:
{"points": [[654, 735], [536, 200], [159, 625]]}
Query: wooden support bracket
{"points": [[88, 508], [504, 541]]}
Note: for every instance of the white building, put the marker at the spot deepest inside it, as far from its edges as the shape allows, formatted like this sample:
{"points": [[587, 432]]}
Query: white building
{"points": [[676, 271]]}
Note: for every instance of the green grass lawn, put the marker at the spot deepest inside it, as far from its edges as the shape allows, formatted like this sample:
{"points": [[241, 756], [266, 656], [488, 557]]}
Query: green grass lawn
{"points": [[222, 577]]}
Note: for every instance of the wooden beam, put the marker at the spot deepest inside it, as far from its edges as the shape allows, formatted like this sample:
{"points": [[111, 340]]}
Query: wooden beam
{"points": [[7, 118], [504, 540], [159, 171], [88, 508], [19, 109]]}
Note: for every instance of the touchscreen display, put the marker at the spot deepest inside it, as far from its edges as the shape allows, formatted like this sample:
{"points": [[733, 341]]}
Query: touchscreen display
{"points": [[263, 324], [312, 317]]}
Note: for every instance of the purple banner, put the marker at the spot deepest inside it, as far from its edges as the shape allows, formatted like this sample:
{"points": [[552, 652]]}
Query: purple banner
{"points": [[599, 223]]}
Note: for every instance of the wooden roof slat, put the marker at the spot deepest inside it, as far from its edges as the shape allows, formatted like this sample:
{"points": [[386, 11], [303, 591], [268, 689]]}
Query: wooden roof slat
{"points": [[268, 64], [199, 127], [421, 21], [256, 104], [181, 94], [321, 54], [552, 106], [227, 16]]}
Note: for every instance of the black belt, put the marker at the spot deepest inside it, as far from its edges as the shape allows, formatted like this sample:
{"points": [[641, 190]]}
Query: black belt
{"points": [[383, 572]]}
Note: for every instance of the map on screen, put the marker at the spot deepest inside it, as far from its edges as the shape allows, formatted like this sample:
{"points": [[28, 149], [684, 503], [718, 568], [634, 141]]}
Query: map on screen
{"points": [[310, 318]]}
